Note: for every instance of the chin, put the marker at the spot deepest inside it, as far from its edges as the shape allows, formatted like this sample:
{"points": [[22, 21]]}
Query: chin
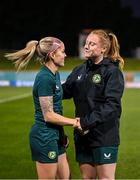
{"points": [[62, 65], [87, 57]]}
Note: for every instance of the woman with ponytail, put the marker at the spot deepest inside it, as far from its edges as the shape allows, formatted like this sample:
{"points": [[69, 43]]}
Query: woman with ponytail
{"points": [[47, 135], [97, 88]]}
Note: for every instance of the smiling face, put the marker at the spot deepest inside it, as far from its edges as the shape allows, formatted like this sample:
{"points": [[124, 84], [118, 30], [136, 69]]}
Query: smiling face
{"points": [[59, 55], [94, 48]]}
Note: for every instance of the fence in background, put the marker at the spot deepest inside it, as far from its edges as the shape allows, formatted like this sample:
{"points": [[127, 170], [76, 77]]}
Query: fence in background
{"points": [[23, 78], [7, 78]]}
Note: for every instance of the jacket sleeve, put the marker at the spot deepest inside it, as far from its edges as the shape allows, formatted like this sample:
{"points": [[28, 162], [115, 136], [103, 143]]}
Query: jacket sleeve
{"points": [[111, 107], [68, 86]]}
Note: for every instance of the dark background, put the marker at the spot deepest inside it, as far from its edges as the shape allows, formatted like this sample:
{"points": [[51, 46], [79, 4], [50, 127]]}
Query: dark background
{"points": [[21, 21]]}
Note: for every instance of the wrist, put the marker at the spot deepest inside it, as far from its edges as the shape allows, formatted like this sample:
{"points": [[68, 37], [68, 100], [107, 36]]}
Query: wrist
{"points": [[75, 121]]}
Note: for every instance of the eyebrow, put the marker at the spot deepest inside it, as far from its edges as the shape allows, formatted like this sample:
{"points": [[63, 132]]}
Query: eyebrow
{"points": [[90, 42]]}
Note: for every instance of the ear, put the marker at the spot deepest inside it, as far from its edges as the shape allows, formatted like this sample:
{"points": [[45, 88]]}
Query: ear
{"points": [[103, 50], [52, 55]]}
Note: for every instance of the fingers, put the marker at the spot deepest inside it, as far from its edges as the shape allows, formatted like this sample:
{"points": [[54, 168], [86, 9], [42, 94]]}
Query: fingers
{"points": [[77, 123], [78, 126]]}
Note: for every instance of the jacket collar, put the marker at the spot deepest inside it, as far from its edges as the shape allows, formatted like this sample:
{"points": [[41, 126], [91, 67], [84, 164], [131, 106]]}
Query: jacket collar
{"points": [[105, 62]]}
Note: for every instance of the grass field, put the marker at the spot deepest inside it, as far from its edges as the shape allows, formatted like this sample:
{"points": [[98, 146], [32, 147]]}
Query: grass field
{"points": [[16, 118], [131, 64]]}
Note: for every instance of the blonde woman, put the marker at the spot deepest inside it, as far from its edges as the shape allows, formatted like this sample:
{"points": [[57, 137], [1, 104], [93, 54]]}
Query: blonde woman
{"points": [[97, 88], [46, 135]]}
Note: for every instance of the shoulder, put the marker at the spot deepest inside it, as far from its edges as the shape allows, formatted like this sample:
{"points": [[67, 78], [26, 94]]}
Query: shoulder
{"points": [[111, 69], [79, 68], [45, 77], [110, 65]]}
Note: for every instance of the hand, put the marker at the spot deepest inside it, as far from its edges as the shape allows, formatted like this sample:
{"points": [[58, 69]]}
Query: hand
{"points": [[77, 124], [83, 132], [66, 141]]}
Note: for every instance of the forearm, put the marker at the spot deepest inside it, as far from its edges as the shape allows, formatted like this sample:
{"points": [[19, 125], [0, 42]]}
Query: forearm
{"points": [[52, 117], [55, 118], [67, 89], [108, 111]]}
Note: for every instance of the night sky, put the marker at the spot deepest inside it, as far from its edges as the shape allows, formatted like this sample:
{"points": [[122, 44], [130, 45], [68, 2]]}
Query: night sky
{"points": [[21, 21], [134, 4]]}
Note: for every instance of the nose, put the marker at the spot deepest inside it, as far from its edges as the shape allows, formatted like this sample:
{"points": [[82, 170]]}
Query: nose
{"points": [[86, 46]]}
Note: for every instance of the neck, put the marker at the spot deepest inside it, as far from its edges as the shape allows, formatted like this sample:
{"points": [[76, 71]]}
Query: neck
{"points": [[98, 59], [51, 66]]}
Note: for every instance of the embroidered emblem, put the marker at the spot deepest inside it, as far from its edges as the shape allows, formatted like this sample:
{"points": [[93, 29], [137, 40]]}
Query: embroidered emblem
{"points": [[52, 155], [96, 78]]}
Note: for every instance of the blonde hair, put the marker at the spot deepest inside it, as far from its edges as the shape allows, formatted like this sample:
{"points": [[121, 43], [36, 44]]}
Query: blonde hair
{"points": [[110, 42], [42, 48]]}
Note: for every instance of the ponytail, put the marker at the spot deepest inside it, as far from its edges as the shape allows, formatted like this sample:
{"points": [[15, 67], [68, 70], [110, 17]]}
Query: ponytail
{"points": [[43, 48], [114, 51], [22, 57]]}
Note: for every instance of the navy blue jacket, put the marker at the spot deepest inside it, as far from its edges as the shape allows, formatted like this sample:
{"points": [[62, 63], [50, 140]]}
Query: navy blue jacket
{"points": [[97, 91]]}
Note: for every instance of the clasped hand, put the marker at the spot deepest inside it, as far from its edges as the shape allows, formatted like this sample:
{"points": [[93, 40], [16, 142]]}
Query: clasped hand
{"points": [[77, 125]]}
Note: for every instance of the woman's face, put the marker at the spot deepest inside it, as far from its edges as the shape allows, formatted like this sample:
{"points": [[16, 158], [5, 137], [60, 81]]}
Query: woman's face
{"points": [[93, 47], [59, 56]]}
